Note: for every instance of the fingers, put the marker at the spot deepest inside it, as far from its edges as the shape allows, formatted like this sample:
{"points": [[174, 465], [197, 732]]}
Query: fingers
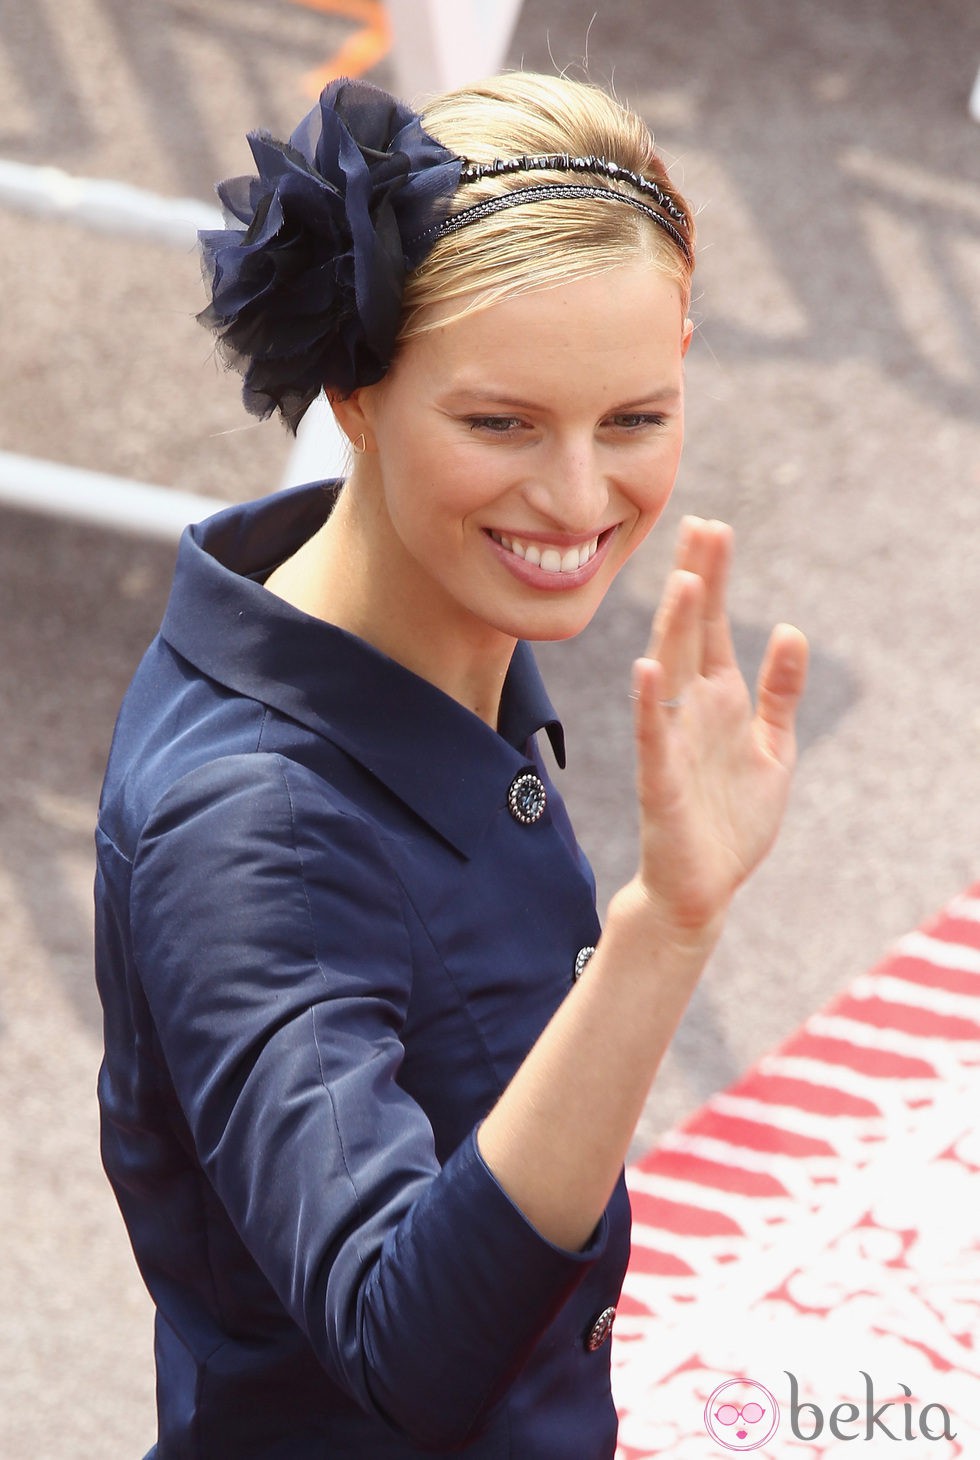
{"points": [[781, 682], [685, 646], [650, 725], [705, 548], [691, 637], [677, 641]]}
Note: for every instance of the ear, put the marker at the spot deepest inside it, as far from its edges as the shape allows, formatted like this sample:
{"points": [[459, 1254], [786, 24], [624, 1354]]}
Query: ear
{"points": [[352, 417], [687, 336]]}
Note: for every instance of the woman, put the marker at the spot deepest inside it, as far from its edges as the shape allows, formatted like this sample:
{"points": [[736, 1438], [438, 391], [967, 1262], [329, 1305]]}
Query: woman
{"points": [[365, 1108]]}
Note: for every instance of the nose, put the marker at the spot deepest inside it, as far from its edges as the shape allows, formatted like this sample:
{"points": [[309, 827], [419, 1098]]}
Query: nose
{"points": [[569, 487]]}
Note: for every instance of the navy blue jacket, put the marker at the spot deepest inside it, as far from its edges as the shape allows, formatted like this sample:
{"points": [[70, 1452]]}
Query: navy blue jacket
{"points": [[324, 945]]}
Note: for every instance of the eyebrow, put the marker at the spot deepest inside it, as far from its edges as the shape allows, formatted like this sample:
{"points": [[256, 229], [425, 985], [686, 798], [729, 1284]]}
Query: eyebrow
{"points": [[484, 394]]}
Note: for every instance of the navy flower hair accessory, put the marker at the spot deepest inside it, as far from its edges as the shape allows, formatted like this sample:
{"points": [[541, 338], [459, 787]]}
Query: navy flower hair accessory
{"points": [[308, 293]]}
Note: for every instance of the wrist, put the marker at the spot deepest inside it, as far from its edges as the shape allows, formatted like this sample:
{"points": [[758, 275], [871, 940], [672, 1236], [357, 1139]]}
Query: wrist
{"points": [[693, 935]]}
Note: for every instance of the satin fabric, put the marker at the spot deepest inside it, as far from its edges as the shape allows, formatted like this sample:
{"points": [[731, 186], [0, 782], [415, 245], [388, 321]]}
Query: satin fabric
{"points": [[324, 945]]}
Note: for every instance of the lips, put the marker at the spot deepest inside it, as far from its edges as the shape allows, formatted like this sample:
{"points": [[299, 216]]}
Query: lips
{"points": [[546, 556]]}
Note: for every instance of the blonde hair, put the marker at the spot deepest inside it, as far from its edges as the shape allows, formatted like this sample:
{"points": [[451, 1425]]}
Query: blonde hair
{"points": [[540, 244]]}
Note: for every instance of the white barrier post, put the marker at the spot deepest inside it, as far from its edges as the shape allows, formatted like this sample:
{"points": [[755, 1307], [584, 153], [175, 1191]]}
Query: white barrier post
{"points": [[440, 44], [975, 99]]}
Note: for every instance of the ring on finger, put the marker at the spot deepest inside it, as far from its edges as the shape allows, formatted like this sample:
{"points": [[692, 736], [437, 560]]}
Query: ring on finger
{"points": [[674, 703]]}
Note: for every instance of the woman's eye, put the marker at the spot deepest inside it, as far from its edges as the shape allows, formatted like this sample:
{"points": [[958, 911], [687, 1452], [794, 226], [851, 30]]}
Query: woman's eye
{"points": [[636, 420], [497, 425]]}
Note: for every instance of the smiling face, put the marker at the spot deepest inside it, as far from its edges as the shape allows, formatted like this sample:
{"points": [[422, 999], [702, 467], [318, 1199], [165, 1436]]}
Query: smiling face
{"points": [[516, 457]]}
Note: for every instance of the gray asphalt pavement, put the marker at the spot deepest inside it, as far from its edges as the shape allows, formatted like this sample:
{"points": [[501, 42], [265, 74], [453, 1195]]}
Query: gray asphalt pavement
{"points": [[833, 418]]}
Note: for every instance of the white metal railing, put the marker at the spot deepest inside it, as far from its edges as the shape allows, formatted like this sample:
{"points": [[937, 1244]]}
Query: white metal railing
{"points": [[93, 496], [114, 207]]}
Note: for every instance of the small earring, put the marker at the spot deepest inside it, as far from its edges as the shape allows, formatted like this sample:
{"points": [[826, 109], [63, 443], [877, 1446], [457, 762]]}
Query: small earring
{"points": [[358, 446]]}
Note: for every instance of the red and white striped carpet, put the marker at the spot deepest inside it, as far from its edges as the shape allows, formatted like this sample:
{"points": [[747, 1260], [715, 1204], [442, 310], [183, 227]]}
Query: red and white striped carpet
{"points": [[821, 1220]]}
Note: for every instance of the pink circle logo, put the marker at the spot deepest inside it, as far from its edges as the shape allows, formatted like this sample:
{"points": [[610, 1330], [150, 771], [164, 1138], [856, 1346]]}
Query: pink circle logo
{"points": [[741, 1415]]}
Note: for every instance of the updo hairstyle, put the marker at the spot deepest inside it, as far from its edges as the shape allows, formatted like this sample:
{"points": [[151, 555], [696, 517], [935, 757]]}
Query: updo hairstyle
{"points": [[539, 244]]}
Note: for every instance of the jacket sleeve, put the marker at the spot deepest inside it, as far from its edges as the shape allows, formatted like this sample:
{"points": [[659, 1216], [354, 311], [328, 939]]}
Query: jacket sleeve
{"points": [[270, 940]]}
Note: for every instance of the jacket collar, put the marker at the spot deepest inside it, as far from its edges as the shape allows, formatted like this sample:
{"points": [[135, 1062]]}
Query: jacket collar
{"points": [[439, 758]]}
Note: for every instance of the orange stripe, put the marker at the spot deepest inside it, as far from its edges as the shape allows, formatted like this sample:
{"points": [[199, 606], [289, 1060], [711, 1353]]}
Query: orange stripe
{"points": [[366, 10], [364, 50], [361, 51]]}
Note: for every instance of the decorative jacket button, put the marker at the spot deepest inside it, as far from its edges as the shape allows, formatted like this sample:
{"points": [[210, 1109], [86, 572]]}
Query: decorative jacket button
{"points": [[526, 798], [581, 959], [600, 1330]]}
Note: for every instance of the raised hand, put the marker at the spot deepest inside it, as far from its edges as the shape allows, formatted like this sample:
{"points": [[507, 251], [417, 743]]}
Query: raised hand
{"points": [[713, 772]]}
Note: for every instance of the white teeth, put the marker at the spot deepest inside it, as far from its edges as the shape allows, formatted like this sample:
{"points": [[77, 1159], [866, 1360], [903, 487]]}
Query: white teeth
{"points": [[550, 559]]}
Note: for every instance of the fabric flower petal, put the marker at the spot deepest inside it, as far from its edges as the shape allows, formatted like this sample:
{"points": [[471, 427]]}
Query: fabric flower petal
{"points": [[308, 293]]}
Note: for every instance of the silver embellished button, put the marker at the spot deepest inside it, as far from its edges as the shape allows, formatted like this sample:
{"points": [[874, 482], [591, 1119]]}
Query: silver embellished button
{"points": [[600, 1330], [527, 798], [581, 959]]}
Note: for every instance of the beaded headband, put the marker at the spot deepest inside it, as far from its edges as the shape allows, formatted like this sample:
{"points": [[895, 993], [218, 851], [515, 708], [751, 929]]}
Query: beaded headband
{"points": [[541, 192], [565, 162]]}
